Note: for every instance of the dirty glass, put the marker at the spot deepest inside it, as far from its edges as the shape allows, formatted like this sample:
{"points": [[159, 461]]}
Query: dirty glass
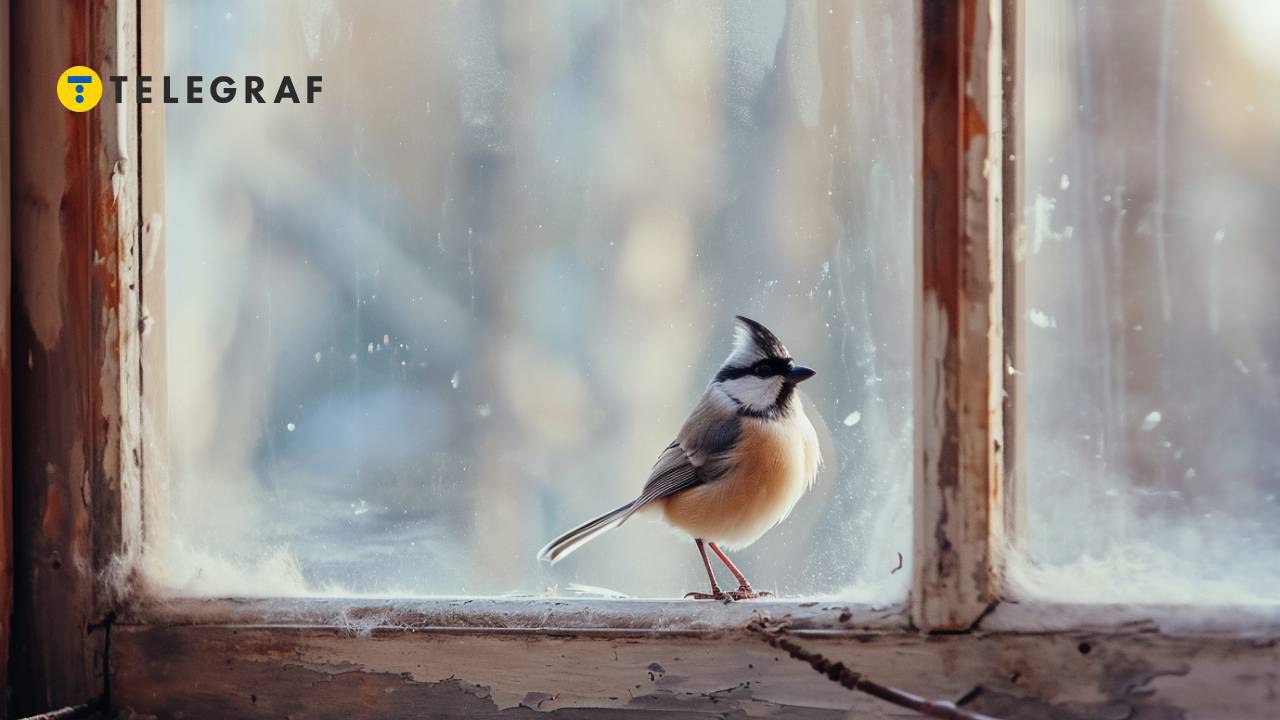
{"points": [[1152, 372], [462, 301]]}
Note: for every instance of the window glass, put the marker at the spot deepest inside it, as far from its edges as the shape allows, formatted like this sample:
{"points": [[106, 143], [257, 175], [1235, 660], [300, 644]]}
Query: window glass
{"points": [[1152, 371], [461, 303]]}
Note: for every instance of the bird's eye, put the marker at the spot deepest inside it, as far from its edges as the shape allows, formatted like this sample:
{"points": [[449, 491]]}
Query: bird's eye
{"points": [[762, 370]]}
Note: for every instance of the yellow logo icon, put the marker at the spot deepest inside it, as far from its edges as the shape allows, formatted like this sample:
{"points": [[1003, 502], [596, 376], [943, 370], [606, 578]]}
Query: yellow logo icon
{"points": [[79, 89]]}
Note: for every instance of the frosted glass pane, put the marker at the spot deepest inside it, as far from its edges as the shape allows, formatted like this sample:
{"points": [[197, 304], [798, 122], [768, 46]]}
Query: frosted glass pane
{"points": [[1153, 347], [462, 302]]}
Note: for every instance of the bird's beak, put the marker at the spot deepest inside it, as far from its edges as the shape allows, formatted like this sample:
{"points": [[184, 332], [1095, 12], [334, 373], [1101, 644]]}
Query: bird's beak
{"points": [[798, 374]]}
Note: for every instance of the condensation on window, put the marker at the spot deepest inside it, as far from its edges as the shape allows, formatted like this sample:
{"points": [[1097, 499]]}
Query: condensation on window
{"points": [[1152, 372], [462, 302]]}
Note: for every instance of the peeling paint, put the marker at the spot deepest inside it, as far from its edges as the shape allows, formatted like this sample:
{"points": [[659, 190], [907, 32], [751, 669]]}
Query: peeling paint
{"points": [[959, 526], [319, 673]]}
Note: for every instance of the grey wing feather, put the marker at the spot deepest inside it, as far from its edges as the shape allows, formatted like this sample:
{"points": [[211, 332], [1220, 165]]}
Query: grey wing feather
{"points": [[700, 454], [696, 456], [672, 473]]}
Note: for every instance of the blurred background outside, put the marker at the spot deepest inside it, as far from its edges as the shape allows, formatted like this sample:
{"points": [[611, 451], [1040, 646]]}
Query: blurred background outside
{"points": [[464, 301], [1153, 340]]}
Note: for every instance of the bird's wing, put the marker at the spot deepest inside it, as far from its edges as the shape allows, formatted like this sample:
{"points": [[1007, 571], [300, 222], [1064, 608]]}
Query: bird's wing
{"points": [[696, 456], [673, 472]]}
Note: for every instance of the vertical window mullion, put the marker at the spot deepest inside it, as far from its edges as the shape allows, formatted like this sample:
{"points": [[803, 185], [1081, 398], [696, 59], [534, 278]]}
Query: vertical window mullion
{"points": [[959, 512], [153, 511], [1014, 295]]}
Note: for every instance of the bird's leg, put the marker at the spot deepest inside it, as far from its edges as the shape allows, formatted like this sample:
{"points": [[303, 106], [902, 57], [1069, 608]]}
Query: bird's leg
{"points": [[744, 591], [716, 593]]}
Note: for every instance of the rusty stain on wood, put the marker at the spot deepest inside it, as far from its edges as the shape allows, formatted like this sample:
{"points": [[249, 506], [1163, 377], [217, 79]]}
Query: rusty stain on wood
{"points": [[959, 496], [53, 570], [74, 231]]}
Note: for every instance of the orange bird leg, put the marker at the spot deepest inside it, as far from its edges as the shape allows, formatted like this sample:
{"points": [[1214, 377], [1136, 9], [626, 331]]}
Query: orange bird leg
{"points": [[744, 591], [716, 593]]}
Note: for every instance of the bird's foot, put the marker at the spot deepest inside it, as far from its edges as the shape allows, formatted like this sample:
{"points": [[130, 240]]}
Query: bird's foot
{"points": [[744, 592], [715, 594]]}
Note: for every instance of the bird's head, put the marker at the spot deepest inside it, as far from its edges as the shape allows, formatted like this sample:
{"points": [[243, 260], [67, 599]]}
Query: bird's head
{"points": [[759, 376]]}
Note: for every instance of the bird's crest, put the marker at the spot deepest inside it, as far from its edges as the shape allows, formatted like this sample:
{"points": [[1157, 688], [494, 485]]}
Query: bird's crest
{"points": [[753, 341]]}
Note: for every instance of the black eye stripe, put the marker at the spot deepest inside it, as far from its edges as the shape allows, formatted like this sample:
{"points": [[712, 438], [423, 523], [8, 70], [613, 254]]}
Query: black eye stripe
{"points": [[769, 367], [732, 372], [774, 366]]}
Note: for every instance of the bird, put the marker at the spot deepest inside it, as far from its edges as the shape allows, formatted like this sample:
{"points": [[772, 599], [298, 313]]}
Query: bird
{"points": [[742, 460]]}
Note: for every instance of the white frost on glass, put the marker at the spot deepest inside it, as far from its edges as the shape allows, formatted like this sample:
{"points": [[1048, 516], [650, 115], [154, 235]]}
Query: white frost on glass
{"points": [[1151, 408], [1041, 319], [315, 17], [599, 189], [804, 69], [1041, 223]]}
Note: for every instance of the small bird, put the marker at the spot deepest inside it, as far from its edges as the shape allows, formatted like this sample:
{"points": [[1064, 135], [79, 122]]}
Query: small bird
{"points": [[737, 467]]}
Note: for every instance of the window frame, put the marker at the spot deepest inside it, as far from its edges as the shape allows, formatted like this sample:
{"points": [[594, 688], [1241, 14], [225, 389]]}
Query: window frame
{"points": [[958, 630]]}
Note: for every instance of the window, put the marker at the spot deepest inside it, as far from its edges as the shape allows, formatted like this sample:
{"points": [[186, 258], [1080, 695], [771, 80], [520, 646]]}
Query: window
{"points": [[460, 304], [919, 191], [1153, 354]]}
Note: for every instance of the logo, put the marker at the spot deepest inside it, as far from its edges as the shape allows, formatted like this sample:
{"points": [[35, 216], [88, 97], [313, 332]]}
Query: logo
{"points": [[79, 89]]}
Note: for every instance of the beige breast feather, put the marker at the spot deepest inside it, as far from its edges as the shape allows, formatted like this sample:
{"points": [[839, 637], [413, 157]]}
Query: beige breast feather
{"points": [[771, 467]]}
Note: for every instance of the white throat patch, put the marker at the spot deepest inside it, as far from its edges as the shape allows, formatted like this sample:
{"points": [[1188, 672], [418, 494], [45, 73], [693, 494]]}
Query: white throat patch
{"points": [[756, 393]]}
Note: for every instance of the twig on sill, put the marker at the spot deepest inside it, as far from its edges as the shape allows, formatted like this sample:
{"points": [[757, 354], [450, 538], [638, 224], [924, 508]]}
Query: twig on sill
{"points": [[67, 713], [774, 634]]}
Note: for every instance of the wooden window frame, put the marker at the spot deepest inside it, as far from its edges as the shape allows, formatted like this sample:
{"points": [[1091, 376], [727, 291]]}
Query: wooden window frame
{"points": [[6, 361], [89, 291]]}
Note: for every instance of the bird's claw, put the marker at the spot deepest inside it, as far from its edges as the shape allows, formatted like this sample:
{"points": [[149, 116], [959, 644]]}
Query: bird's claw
{"points": [[713, 595], [742, 593]]}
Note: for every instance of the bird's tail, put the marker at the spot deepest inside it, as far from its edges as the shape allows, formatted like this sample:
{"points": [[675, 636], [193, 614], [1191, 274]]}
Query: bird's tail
{"points": [[575, 538]]}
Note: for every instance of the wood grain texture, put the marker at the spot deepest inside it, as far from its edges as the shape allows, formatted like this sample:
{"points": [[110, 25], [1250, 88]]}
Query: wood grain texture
{"points": [[1014, 231], [514, 615], [52, 223], [74, 220], [6, 367], [297, 671], [959, 509], [115, 333], [153, 496]]}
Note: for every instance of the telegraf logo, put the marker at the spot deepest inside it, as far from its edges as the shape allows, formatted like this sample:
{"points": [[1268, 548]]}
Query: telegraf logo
{"points": [[80, 89]]}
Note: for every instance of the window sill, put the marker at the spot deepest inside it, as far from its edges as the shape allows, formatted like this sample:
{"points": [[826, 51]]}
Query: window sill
{"points": [[545, 616], [342, 657]]}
